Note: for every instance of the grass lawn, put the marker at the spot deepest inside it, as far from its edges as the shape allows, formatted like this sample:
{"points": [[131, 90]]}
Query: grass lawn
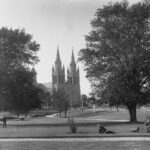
{"points": [[82, 131], [86, 126]]}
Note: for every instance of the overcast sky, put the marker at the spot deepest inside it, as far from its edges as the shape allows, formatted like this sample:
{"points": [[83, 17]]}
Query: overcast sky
{"points": [[52, 23]]}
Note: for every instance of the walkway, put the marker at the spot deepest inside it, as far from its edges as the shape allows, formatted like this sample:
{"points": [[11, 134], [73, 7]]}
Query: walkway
{"points": [[101, 139]]}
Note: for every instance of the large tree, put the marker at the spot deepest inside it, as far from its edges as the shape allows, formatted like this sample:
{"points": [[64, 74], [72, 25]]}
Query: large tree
{"points": [[17, 48], [18, 52], [117, 54], [22, 95]]}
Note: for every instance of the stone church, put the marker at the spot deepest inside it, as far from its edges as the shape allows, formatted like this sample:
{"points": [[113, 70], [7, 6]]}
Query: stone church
{"points": [[72, 84]]}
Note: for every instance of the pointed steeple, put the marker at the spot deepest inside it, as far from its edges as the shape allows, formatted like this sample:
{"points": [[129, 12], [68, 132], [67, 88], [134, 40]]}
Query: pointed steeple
{"points": [[58, 55], [72, 57]]}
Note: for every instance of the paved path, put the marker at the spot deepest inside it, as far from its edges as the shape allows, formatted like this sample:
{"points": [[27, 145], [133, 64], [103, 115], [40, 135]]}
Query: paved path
{"points": [[110, 139]]}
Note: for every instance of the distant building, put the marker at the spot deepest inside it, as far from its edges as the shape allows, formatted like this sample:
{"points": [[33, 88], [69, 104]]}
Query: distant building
{"points": [[40, 85], [72, 85]]}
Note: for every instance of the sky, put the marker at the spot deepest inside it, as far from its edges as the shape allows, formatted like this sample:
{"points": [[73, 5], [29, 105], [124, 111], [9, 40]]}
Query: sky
{"points": [[53, 23]]}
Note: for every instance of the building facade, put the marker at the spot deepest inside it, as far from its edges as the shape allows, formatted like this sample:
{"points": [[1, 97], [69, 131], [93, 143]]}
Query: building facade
{"points": [[72, 84]]}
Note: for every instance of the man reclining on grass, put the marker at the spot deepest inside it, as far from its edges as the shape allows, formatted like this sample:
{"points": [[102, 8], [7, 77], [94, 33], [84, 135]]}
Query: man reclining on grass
{"points": [[103, 130]]}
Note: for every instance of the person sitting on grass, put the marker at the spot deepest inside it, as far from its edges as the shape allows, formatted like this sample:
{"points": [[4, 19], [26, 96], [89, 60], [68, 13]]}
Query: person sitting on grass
{"points": [[144, 128], [103, 130]]}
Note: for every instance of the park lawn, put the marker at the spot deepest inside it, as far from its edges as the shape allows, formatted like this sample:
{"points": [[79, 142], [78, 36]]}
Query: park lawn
{"points": [[107, 114], [87, 114], [86, 126], [120, 129]]}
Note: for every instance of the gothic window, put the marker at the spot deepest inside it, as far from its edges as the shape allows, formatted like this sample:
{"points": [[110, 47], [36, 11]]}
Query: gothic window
{"points": [[61, 79], [54, 79]]}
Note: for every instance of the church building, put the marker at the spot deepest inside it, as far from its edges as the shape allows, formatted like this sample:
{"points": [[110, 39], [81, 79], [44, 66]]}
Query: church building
{"points": [[72, 84]]}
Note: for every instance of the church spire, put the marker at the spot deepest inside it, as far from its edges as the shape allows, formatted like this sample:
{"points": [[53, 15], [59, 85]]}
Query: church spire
{"points": [[72, 57], [58, 55]]}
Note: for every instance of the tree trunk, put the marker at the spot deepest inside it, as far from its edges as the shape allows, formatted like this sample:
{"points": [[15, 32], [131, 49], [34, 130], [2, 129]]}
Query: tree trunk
{"points": [[132, 112]]}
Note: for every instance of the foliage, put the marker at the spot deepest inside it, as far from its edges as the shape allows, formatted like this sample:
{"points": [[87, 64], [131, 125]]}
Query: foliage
{"points": [[18, 52], [117, 54], [84, 101], [72, 125], [47, 99], [61, 101], [84, 97], [16, 49], [22, 94], [46, 96]]}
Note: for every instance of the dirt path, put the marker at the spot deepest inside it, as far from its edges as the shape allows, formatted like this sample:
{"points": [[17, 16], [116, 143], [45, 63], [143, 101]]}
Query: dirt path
{"points": [[110, 139]]}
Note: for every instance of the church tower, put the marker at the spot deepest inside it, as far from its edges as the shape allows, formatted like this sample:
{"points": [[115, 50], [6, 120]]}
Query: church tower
{"points": [[72, 85], [73, 82], [58, 73]]}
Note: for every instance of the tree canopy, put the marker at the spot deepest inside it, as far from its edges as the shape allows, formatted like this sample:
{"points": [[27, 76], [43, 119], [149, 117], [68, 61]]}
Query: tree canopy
{"points": [[17, 48], [117, 54], [18, 54], [22, 95]]}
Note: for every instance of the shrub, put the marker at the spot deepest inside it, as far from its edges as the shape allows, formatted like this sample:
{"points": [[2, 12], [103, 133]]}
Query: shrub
{"points": [[72, 125]]}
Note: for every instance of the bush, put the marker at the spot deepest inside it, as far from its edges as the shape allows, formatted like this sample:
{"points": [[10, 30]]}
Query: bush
{"points": [[72, 125]]}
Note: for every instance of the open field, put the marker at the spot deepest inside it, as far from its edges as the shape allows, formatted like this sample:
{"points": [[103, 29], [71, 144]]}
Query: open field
{"points": [[86, 126], [82, 117], [64, 131], [47, 127]]}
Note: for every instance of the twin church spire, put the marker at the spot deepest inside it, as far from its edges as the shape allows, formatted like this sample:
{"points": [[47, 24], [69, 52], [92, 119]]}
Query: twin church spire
{"points": [[58, 71], [58, 56], [72, 84]]}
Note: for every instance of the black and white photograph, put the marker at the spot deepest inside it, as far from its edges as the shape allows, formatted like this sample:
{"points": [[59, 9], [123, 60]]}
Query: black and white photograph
{"points": [[74, 74]]}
